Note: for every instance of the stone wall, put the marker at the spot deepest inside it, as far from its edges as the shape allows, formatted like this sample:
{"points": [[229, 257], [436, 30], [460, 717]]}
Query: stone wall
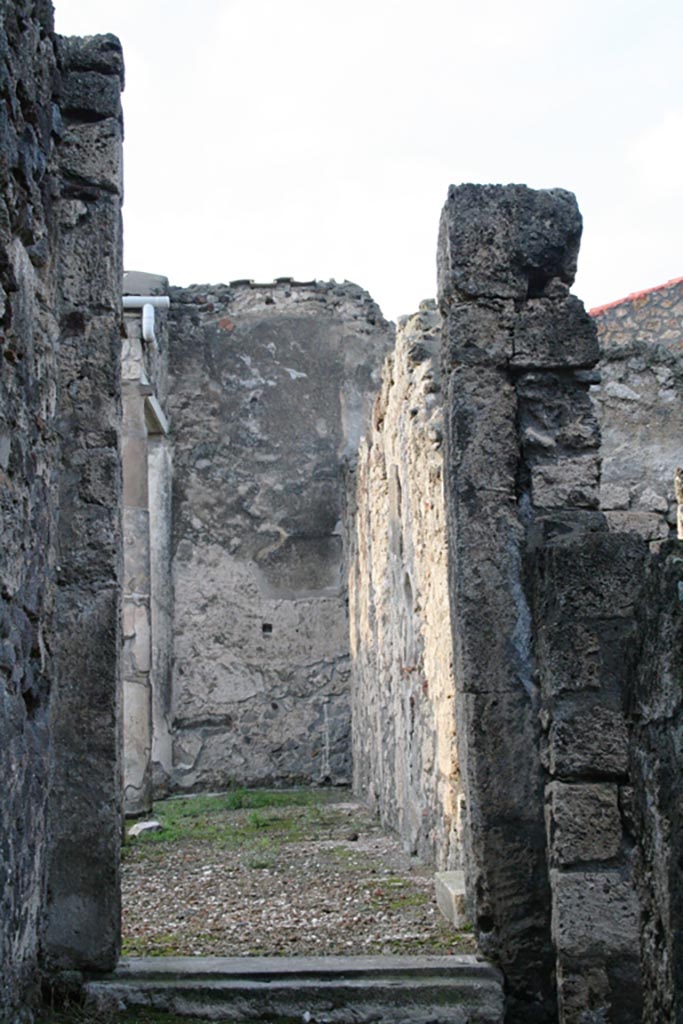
{"points": [[542, 604], [657, 767], [60, 247], [83, 899], [29, 459], [640, 406], [404, 753], [270, 389]]}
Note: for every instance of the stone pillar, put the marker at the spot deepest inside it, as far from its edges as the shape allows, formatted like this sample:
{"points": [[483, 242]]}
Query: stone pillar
{"points": [[522, 494], [137, 626], [656, 759], [160, 481], [82, 909]]}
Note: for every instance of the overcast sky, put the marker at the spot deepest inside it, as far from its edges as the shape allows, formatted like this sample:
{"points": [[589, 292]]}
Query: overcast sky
{"points": [[317, 138]]}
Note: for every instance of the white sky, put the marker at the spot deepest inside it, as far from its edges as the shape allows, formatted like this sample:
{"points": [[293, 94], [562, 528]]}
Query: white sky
{"points": [[317, 138]]}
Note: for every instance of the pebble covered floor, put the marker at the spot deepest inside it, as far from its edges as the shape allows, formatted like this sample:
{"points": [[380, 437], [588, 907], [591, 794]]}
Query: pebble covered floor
{"points": [[289, 873]]}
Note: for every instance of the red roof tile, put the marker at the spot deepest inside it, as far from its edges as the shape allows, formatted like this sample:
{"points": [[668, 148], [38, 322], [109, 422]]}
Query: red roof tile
{"points": [[597, 310]]}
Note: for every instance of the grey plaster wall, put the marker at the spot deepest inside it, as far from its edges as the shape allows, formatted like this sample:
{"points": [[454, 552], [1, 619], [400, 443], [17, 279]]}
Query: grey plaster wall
{"points": [[640, 406], [405, 762], [270, 388], [59, 486]]}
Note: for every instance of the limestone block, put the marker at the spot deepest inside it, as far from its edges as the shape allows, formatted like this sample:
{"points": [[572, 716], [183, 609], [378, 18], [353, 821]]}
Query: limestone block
{"points": [[506, 241], [595, 914], [135, 478], [92, 153], [566, 483], [554, 332], [140, 827], [591, 739], [584, 822], [136, 565], [450, 897]]}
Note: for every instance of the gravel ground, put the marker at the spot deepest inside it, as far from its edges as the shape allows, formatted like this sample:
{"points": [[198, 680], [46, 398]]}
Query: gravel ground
{"points": [[314, 879]]}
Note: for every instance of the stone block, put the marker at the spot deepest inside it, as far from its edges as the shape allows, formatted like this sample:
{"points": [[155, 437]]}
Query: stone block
{"points": [[135, 477], [584, 822], [651, 526], [136, 569], [590, 740], [479, 333], [136, 282], [92, 153], [450, 896], [557, 408], [89, 277], [595, 914], [506, 241], [566, 483], [554, 333], [614, 496], [590, 577], [100, 53], [90, 92]]}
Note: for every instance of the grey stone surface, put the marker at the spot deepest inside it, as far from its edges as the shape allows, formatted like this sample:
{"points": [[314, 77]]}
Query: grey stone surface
{"points": [[639, 404], [584, 822], [656, 764], [405, 760], [338, 990], [82, 912], [507, 241], [505, 430], [450, 896], [58, 502], [271, 388]]}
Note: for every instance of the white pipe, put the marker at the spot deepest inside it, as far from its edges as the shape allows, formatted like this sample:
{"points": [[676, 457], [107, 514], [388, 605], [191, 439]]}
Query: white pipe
{"points": [[148, 323], [147, 303], [138, 301]]}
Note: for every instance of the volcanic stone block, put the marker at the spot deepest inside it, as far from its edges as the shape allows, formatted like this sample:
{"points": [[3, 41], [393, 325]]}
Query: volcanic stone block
{"points": [[554, 333], [595, 914], [509, 241], [479, 333], [584, 822], [569, 482], [92, 154], [587, 741]]}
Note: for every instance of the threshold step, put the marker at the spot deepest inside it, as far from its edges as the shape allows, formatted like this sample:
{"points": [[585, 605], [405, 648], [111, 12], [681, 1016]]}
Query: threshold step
{"points": [[307, 990]]}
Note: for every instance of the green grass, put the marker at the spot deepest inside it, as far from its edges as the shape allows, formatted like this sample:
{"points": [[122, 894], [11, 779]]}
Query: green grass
{"points": [[213, 818]]}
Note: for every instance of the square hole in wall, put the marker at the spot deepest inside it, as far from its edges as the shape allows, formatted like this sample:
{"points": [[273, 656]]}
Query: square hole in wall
{"points": [[267, 627]]}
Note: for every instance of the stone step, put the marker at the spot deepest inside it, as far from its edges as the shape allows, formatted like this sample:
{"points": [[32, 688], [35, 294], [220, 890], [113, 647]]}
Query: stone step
{"points": [[307, 990]]}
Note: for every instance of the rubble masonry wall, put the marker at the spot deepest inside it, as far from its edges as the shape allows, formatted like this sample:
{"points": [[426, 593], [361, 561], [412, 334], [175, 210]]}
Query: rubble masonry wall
{"points": [[60, 246], [404, 752], [270, 388]]}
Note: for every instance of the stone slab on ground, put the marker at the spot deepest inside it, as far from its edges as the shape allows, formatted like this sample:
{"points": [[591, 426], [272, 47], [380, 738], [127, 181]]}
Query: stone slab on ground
{"points": [[450, 896], [319, 990]]}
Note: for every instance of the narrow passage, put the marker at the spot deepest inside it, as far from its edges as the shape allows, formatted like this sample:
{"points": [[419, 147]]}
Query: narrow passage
{"points": [[277, 873]]}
